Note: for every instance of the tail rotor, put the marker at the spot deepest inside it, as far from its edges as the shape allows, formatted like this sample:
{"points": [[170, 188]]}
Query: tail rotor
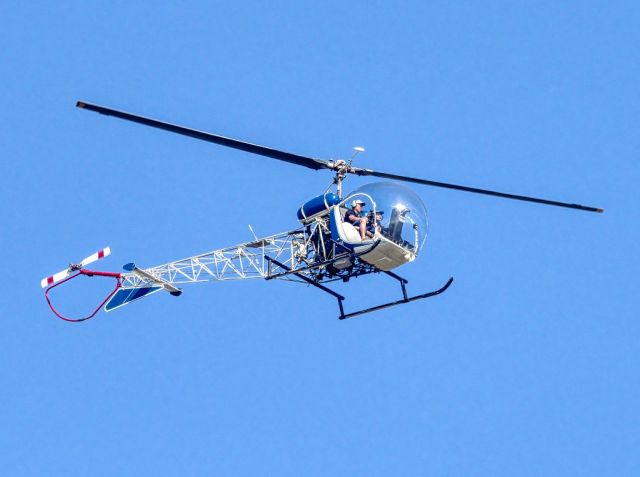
{"points": [[74, 270], [73, 267]]}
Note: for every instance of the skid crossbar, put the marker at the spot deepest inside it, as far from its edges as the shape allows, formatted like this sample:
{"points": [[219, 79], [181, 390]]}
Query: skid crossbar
{"points": [[310, 282]]}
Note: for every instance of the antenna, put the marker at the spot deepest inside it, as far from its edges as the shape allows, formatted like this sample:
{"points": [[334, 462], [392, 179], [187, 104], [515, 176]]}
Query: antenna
{"points": [[253, 233], [356, 150]]}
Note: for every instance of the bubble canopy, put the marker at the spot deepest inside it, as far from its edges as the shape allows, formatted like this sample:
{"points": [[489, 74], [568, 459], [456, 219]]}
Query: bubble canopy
{"points": [[404, 215]]}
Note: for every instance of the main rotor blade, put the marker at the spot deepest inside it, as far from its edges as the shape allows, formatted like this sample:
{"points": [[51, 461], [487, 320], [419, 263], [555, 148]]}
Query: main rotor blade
{"points": [[309, 162], [368, 172]]}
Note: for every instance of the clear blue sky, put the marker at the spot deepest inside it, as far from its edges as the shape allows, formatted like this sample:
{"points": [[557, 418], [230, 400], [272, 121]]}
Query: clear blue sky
{"points": [[528, 365]]}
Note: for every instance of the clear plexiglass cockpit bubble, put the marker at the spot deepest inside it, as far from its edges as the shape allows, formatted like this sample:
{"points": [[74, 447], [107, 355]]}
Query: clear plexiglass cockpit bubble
{"points": [[403, 216]]}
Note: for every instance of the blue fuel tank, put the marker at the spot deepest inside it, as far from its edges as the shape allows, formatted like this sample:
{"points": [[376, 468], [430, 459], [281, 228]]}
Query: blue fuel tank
{"points": [[316, 205]]}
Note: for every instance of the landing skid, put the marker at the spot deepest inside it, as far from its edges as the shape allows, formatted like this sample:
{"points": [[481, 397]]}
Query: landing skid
{"points": [[340, 298], [406, 299]]}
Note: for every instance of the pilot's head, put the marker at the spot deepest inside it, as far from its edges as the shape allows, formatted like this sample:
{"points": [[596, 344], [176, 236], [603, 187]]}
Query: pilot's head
{"points": [[357, 205]]}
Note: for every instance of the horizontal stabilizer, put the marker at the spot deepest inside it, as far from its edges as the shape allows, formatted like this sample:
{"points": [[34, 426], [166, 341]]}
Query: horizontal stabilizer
{"points": [[124, 296], [148, 277]]}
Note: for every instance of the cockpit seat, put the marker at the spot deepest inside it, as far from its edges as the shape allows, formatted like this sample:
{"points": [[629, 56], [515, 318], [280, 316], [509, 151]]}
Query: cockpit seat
{"points": [[343, 231]]}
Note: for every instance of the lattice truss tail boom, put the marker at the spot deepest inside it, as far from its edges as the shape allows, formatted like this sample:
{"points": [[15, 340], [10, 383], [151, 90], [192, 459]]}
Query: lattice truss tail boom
{"points": [[239, 262]]}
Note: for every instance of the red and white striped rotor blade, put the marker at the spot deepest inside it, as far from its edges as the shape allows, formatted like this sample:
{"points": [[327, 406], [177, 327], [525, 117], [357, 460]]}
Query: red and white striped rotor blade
{"points": [[45, 282], [105, 252]]}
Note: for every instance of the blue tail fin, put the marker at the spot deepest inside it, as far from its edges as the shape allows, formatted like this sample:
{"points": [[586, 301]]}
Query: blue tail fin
{"points": [[124, 296]]}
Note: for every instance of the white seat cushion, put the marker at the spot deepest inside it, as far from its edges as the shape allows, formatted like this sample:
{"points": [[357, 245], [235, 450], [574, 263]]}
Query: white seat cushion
{"points": [[350, 233]]}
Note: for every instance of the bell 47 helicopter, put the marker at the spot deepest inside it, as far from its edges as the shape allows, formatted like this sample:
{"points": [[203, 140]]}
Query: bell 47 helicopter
{"points": [[375, 229]]}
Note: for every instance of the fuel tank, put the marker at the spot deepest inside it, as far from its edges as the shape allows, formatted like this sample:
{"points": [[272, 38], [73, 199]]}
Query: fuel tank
{"points": [[317, 206]]}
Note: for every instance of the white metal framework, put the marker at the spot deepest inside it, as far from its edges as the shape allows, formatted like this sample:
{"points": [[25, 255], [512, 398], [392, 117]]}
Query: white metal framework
{"points": [[303, 254], [239, 262]]}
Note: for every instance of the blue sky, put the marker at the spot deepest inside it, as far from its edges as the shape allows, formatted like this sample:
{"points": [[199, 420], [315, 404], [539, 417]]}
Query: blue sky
{"points": [[528, 365]]}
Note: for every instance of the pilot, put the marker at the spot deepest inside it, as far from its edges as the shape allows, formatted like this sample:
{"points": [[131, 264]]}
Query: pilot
{"points": [[353, 217]]}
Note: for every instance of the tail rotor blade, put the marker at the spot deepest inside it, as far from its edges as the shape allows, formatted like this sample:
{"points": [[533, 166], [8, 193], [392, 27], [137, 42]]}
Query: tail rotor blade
{"points": [[48, 281], [45, 282], [105, 252]]}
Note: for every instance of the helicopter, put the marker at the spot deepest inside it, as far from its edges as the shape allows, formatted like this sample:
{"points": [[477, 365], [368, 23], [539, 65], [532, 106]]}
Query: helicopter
{"points": [[336, 240]]}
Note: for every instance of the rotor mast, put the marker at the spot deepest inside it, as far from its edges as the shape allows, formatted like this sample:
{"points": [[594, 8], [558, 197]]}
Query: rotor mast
{"points": [[343, 168]]}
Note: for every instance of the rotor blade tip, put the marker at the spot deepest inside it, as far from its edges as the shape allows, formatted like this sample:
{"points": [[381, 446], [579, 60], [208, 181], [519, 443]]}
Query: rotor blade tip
{"points": [[80, 104], [600, 211]]}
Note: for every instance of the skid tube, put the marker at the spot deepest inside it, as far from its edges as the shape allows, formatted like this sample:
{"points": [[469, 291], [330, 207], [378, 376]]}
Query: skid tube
{"points": [[340, 298], [406, 299]]}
